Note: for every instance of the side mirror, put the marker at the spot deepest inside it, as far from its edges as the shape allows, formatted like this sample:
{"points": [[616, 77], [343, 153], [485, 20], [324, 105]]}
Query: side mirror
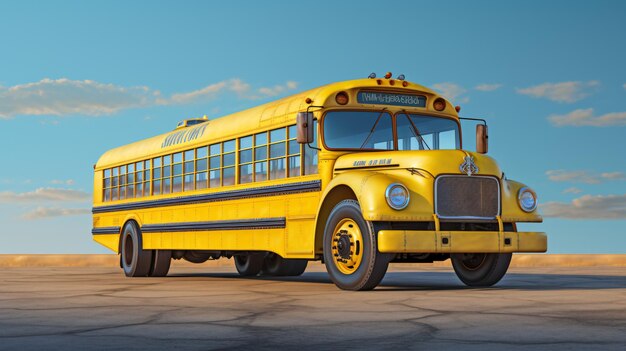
{"points": [[482, 139], [304, 125]]}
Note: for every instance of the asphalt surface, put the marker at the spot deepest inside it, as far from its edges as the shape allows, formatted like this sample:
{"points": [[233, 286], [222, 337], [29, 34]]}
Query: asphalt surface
{"points": [[208, 308]]}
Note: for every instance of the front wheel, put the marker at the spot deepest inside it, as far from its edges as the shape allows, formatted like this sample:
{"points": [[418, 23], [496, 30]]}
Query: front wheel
{"points": [[350, 249], [480, 269]]}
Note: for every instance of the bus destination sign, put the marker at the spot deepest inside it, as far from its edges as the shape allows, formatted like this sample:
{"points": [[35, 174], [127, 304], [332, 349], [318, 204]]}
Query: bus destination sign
{"points": [[370, 97]]}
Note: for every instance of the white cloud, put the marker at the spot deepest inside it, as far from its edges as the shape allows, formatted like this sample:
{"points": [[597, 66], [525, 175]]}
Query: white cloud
{"points": [[624, 86], [572, 190], [43, 212], [62, 97], [278, 89], [588, 207], [561, 92], [66, 182], [44, 194], [206, 93], [452, 91], [237, 86], [560, 175], [488, 87], [65, 97], [585, 117]]}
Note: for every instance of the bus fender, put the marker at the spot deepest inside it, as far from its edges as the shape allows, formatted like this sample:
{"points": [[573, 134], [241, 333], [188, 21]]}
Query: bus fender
{"points": [[367, 188]]}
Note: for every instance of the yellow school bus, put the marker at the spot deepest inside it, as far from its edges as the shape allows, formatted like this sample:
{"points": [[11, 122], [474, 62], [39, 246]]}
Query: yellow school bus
{"points": [[356, 174]]}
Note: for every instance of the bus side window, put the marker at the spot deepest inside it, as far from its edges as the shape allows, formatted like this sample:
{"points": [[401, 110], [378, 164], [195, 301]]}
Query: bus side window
{"points": [[167, 174], [310, 154], [215, 163], [260, 157], [157, 173], [122, 191], [245, 160], [228, 161], [106, 185], [293, 151], [277, 153], [201, 167]]}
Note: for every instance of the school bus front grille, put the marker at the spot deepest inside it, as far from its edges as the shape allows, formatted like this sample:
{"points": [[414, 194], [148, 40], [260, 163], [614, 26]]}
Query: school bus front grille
{"points": [[467, 197]]}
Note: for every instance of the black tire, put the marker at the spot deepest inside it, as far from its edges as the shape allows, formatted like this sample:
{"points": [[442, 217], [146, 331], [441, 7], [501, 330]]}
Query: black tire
{"points": [[161, 261], [136, 261], [373, 265], [249, 265], [275, 265], [481, 269]]}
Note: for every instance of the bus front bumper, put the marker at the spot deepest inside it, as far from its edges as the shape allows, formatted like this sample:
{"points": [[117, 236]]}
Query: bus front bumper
{"points": [[418, 241]]}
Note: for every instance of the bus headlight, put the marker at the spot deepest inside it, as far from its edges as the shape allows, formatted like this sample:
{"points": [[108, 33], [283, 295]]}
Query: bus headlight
{"points": [[397, 196], [527, 199]]}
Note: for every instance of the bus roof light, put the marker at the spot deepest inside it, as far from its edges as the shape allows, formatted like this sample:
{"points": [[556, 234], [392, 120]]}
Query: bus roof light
{"points": [[388, 75], [392, 82], [342, 98], [401, 77], [439, 104], [308, 100], [457, 108], [405, 83], [379, 81], [372, 75]]}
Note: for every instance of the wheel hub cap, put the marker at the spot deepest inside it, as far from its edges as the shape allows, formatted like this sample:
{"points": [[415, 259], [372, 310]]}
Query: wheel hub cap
{"points": [[347, 245]]}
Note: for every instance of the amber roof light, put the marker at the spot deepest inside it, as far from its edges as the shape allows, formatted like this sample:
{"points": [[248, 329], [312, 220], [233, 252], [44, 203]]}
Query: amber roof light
{"points": [[342, 98], [439, 104]]}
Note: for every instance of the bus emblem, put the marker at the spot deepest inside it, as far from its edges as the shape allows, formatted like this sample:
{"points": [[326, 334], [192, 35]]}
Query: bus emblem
{"points": [[468, 166]]}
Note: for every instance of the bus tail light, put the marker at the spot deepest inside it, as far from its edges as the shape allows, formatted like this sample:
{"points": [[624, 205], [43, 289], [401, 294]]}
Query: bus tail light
{"points": [[342, 98], [439, 104]]}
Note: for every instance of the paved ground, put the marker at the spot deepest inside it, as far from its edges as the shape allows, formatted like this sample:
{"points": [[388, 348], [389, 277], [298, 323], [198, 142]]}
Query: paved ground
{"points": [[212, 308]]}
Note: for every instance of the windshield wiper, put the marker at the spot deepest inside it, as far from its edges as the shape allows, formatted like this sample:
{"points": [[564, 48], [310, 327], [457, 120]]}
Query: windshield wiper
{"points": [[416, 132], [373, 128]]}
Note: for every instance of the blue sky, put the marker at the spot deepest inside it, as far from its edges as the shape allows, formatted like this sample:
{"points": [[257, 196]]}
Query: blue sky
{"points": [[78, 78]]}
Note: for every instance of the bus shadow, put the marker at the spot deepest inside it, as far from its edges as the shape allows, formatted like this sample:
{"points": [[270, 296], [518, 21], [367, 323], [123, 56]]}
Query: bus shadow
{"points": [[432, 281]]}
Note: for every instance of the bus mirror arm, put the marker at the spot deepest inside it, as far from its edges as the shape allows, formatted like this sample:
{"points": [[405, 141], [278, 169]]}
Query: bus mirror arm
{"points": [[482, 135]]}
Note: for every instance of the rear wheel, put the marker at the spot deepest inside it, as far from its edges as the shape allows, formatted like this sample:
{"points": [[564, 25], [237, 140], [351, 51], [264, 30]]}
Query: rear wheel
{"points": [[350, 249], [480, 269], [136, 261], [249, 265], [277, 266], [161, 261]]}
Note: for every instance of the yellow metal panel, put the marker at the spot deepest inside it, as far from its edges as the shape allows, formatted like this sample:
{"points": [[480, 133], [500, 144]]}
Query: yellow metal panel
{"points": [[299, 239], [532, 242], [413, 241], [111, 241]]}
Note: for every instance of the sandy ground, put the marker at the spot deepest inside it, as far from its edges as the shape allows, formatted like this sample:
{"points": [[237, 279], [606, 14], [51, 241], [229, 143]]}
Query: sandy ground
{"points": [[519, 260], [206, 308]]}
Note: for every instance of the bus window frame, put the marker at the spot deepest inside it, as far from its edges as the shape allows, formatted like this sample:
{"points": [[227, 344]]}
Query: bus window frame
{"points": [[393, 124]]}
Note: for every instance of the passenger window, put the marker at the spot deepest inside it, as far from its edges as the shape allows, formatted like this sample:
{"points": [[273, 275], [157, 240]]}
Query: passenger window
{"points": [[277, 150], [260, 157], [245, 160]]}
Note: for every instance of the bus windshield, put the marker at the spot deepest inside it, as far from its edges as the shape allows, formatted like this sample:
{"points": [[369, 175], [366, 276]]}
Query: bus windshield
{"points": [[420, 132], [373, 130], [361, 130]]}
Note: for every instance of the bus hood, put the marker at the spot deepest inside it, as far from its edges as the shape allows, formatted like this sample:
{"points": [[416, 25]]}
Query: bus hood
{"points": [[433, 162]]}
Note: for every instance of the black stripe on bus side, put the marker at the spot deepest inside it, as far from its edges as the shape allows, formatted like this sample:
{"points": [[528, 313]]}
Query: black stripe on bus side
{"points": [[261, 223], [105, 230], [221, 196]]}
